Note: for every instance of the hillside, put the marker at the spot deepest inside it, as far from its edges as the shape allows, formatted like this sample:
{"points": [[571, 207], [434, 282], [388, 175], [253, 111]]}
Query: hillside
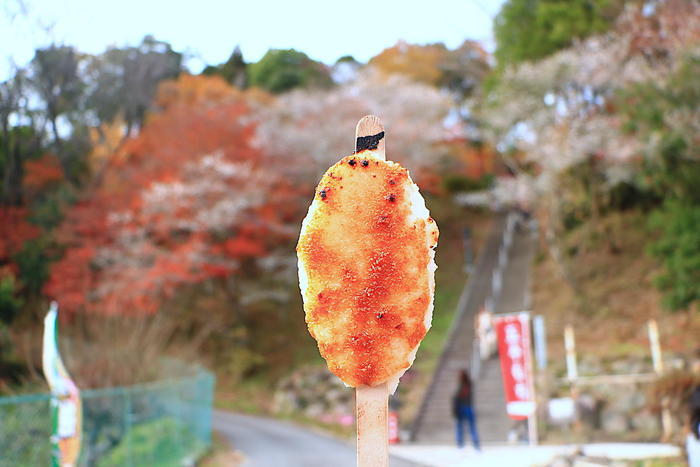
{"points": [[613, 274]]}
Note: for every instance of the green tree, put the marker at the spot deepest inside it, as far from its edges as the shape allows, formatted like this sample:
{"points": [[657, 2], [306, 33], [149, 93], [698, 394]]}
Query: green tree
{"points": [[54, 74], [17, 145], [678, 248], [282, 70], [10, 304], [345, 69], [464, 68], [665, 116], [233, 70], [10, 157], [531, 29], [33, 264], [124, 80]]}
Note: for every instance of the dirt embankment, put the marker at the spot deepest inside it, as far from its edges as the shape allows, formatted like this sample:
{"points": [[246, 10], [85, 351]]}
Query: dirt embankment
{"points": [[616, 297]]}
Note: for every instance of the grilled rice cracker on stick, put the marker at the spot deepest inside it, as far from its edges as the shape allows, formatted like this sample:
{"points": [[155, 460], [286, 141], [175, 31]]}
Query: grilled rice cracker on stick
{"points": [[366, 265]]}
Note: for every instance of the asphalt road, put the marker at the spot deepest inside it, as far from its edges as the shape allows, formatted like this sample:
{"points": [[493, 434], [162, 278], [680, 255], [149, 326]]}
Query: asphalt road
{"points": [[266, 442]]}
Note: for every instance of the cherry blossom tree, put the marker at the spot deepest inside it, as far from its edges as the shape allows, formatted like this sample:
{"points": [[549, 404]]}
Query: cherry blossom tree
{"points": [[308, 131]]}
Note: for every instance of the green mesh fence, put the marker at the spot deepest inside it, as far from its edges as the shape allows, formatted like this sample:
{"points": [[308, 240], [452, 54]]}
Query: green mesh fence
{"points": [[166, 423]]}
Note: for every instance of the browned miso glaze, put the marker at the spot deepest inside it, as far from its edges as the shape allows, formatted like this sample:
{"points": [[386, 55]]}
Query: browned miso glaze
{"points": [[368, 286]]}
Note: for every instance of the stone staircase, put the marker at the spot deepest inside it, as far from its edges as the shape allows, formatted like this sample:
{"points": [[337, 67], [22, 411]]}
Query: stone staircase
{"points": [[434, 423]]}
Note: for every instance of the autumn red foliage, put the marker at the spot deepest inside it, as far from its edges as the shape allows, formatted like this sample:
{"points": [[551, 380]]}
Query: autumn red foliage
{"points": [[41, 173], [188, 199], [14, 231]]}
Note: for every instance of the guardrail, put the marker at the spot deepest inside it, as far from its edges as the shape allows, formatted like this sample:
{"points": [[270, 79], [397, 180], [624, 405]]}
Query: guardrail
{"points": [[166, 422]]}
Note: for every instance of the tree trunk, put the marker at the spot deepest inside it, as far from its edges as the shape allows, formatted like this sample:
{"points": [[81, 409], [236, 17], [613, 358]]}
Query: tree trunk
{"points": [[56, 139], [6, 150], [12, 178], [552, 239]]}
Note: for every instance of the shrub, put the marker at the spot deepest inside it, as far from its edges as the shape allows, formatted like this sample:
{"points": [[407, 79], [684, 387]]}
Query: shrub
{"points": [[460, 183], [10, 305], [25, 430], [159, 443], [674, 389], [678, 248]]}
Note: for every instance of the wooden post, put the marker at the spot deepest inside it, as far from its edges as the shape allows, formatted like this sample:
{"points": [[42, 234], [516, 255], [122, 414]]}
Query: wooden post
{"points": [[540, 335], [657, 359], [655, 346], [532, 431], [532, 428], [571, 367], [570, 345]]}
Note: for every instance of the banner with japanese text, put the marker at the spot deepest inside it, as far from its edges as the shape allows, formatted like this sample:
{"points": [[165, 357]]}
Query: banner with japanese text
{"points": [[66, 406], [513, 334]]}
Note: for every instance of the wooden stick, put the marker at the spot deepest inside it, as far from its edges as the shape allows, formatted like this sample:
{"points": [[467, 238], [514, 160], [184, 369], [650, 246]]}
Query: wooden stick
{"points": [[369, 134], [371, 402], [570, 346], [372, 426]]}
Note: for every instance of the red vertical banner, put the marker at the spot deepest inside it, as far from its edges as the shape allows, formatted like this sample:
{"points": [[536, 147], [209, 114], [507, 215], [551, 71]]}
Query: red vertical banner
{"points": [[393, 427], [513, 333]]}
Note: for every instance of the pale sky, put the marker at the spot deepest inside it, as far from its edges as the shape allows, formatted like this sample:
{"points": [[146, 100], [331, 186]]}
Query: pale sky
{"points": [[208, 30]]}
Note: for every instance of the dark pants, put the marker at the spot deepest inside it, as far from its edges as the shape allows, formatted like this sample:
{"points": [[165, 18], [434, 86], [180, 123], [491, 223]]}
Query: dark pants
{"points": [[465, 413]]}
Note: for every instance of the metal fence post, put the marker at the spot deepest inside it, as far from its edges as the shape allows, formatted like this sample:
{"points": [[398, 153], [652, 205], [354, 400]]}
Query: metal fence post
{"points": [[209, 384], [127, 426], [177, 401]]}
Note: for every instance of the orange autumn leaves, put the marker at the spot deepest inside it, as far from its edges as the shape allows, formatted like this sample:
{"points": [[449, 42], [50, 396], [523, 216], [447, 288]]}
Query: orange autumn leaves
{"points": [[14, 231], [41, 173], [15, 227], [188, 199]]}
